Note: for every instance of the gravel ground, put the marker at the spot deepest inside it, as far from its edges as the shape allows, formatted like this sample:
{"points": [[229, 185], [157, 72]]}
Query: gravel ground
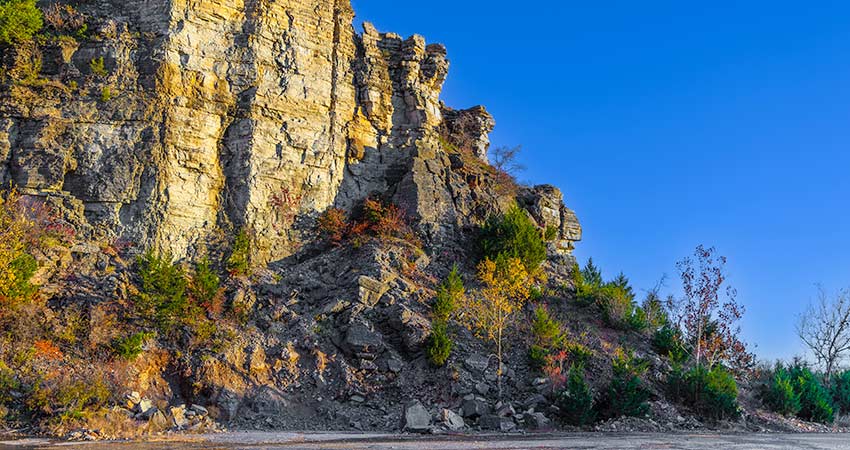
{"points": [[251, 440]]}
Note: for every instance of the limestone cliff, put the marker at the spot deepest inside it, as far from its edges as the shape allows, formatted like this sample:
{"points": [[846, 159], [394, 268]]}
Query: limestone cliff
{"points": [[210, 116]]}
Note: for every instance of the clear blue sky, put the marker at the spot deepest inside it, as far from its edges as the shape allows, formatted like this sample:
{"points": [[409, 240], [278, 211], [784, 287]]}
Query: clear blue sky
{"points": [[668, 124]]}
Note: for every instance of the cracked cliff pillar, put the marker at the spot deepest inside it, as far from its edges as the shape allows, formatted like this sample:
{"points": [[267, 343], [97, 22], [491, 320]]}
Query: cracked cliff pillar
{"points": [[258, 94]]}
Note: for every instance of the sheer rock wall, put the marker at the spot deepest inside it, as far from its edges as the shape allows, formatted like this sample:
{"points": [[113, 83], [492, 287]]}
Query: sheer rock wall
{"points": [[214, 115]]}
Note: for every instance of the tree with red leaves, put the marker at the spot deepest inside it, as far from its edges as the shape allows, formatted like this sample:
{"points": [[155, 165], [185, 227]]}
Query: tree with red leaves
{"points": [[709, 314]]}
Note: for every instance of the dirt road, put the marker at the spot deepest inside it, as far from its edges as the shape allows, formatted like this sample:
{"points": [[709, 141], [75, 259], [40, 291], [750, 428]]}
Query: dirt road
{"points": [[293, 441]]}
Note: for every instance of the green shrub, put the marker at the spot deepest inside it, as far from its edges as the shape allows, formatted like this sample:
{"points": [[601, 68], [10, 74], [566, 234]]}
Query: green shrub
{"points": [[67, 397], [515, 235], [206, 288], [98, 67], [535, 293], [575, 399], [439, 346], [449, 294], [591, 275], [626, 395], [779, 395], [815, 404], [239, 261], [105, 94], [19, 20], [163, 289], [8, 383], [711, 393], [545, 329], [579, 354], [132, 346], [551, 233], [21, 270], [667, 340], [546, 334], [840, 390], [537, 356]]}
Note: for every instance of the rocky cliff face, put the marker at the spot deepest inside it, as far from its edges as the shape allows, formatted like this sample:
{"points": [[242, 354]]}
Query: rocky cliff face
{"points": [[170, 125], [217, 115]]}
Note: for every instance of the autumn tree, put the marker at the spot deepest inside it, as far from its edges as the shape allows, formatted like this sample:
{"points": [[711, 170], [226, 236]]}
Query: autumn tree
{"points": [[825, 329], [709, 313], [491, 311]]}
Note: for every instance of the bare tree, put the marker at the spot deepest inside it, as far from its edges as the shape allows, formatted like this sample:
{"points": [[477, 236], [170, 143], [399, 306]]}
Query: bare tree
{"points": [[708, 318], [825, 329], [505, 159]]}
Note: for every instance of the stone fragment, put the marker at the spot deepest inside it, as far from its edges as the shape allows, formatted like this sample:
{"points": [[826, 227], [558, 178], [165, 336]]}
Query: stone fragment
{"points": [[362, 341], [476, 363], [371, 290], [132, 399], [505, 411], [451, 420], [178, 416], [416, 417], [537, 421], [143, 406], [475, 407], [493, 422]]}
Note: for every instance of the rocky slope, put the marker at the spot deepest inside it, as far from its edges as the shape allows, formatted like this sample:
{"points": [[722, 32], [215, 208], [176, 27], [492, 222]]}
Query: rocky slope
{"points": [[173, 128], [171, 125]]}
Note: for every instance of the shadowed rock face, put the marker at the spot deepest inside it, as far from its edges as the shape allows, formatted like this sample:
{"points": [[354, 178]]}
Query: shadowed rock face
{"points": [[218, 115]]}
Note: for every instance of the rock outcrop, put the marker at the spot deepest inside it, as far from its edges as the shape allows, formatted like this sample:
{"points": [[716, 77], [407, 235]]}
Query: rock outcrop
{"points": [[171, 126], [215, 116]]}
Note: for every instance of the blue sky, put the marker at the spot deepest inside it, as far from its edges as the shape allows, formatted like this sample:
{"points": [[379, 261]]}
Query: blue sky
{"points": [[668, 124]]}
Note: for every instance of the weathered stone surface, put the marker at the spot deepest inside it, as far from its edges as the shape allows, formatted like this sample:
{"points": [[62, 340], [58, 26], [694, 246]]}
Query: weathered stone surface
{"points": [[362, 341], [475, 408], [416, 417], [470, 128], [476, 363], [451, 420], [239, 115], [497, 423]]}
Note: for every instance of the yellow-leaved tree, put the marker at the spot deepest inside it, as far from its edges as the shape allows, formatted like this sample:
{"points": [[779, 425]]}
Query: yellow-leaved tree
{"points": [[491, 311], [16, 265]]}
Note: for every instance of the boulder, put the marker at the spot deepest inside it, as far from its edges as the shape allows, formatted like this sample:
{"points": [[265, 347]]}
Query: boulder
{"points": [[371, 290], [476, 363], [131, 400], [493, 422], [451, 420], [413, 327], [537, 421], [416, 418], [178, 416], [361, 340], [506, 411], [143, 406], [475, 407]]}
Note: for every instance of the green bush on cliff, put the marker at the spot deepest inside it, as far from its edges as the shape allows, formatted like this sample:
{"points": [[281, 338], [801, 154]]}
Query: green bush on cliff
{"points": [[515, 235], [439, 346], [239, 261], [626, 395], [19, 20], [130, 347], [449, 294], [575, 400], [163, 289]]}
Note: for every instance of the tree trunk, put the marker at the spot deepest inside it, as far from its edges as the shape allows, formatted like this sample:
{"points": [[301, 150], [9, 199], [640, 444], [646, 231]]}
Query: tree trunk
{"points": [[499, 369]]}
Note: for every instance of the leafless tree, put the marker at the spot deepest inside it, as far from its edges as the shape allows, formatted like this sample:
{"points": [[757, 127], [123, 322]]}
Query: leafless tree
{"points": [[505, 159], [825, 329]]}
